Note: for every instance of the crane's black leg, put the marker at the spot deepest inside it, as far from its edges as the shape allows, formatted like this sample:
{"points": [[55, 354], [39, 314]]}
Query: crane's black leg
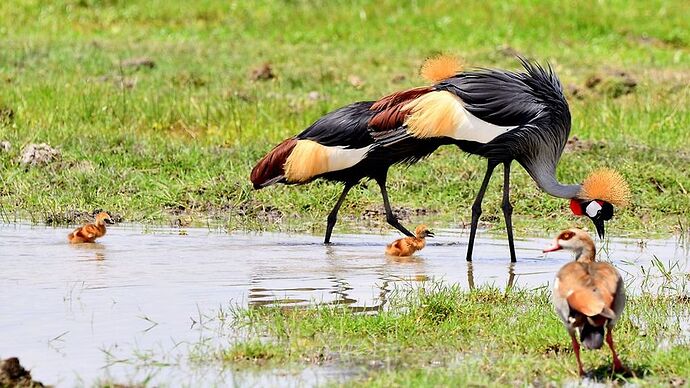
{"points": [[477, 207], [333, 215], [508, 209], [390, 217]]}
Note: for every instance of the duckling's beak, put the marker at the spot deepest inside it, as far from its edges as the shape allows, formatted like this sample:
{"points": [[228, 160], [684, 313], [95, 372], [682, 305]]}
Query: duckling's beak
{"points": [[429, 233], [109, 221]]}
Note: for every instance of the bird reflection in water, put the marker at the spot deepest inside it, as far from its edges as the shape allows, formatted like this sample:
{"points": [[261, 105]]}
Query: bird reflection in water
{"points": [[509, 284], [84, 250], [340, 287]]}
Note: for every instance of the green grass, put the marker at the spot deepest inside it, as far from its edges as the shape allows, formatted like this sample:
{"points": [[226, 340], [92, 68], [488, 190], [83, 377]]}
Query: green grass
{"points": [[439, 335], [176, 144]]}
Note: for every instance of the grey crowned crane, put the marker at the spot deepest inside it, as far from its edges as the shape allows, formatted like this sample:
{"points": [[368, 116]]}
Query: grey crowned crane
{"points": [[496, 114]]}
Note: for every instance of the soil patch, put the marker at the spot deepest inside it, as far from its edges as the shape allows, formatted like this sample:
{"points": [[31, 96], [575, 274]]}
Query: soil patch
{"points": [[612, 83], [39, 154], [13, 374], [139, 63], [78, 217], [403, 213], [262, 73], [576, 144], [6, 114]]}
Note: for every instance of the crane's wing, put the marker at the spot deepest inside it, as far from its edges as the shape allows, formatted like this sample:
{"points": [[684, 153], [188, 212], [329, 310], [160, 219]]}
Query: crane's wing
{"points": [[345, 127], [336, 141], [497, 97], [435, 113], [474, 106]]}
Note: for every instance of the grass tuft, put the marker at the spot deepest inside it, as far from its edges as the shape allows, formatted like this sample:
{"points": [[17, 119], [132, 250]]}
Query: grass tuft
{"points": [[483, 336], [158, 116]]}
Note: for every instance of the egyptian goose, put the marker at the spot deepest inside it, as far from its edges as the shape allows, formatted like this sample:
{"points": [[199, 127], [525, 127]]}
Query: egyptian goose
{"points": [[588, 295], [408, 245], [90, 232]]}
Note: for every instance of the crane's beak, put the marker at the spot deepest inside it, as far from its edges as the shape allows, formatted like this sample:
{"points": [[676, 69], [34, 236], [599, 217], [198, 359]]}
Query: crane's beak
{"points": [[599, 224]]}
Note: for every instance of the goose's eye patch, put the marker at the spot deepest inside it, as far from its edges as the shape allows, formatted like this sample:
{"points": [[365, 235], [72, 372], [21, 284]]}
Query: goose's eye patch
{"points": [[566, 236]]}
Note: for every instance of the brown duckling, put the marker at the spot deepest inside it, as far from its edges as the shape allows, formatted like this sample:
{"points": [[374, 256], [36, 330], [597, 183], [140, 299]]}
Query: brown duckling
{"points": [[90, 232], [409, 245]]}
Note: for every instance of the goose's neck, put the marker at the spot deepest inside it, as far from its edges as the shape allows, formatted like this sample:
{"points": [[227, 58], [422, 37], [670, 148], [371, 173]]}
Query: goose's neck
{"points": [[585, 254]]}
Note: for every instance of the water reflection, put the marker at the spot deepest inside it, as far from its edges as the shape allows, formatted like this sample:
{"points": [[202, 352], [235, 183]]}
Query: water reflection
{"points": [[509, 283], [386, 272], [511, 276], [89, 251]]}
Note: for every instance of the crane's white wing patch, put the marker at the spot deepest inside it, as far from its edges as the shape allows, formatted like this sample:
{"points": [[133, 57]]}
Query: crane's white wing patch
{"points": [[442, 114], [309, 159]]}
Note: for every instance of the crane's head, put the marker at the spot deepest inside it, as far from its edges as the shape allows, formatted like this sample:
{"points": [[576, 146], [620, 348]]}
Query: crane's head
{"points": [[601, 191]]}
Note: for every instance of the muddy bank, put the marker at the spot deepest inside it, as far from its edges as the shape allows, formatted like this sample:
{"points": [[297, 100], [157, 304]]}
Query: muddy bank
{"points": [[13, 374]]}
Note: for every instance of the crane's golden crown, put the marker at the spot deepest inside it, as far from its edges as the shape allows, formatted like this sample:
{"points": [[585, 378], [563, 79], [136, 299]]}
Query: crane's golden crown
{"points": [[608, 185], [440, 67]]}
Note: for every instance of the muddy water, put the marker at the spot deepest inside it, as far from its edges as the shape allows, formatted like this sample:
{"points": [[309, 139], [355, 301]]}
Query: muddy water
{"points": [[76, 314]]}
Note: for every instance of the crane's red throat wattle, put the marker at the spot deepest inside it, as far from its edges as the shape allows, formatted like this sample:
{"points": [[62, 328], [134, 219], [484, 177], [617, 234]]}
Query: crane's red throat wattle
{"points": [[576, 207]]}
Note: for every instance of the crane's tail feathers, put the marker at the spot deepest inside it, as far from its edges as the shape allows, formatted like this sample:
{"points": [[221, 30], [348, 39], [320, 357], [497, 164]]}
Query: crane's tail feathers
{"points": [[592, 337], [271, 168]]}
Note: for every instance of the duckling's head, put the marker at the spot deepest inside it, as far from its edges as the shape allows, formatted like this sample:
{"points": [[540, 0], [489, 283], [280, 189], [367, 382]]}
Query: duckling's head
{"points": [[423, 231], [573, 239], [103, 218]]}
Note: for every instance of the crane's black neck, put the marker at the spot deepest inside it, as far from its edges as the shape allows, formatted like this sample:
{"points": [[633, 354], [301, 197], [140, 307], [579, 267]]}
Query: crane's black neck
{"points": [[547, 182], [544, 174], [541, 159]]}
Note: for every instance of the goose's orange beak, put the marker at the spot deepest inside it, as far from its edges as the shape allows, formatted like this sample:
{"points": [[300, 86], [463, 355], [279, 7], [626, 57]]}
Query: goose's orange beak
{"points": [[554, 247]]}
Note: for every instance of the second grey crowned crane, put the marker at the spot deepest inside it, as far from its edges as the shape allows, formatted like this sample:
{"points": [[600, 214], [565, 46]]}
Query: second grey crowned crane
{"points": [[496, 114], [501, 116]]}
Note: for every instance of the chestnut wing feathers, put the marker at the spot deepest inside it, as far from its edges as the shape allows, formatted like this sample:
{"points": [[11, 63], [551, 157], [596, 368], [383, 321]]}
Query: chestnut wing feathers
{"points": [[589, 288], [391, 110]]}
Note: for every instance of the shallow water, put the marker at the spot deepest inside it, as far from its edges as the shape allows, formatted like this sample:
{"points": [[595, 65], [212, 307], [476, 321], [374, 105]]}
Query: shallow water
{"points": [[74, 314]]}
